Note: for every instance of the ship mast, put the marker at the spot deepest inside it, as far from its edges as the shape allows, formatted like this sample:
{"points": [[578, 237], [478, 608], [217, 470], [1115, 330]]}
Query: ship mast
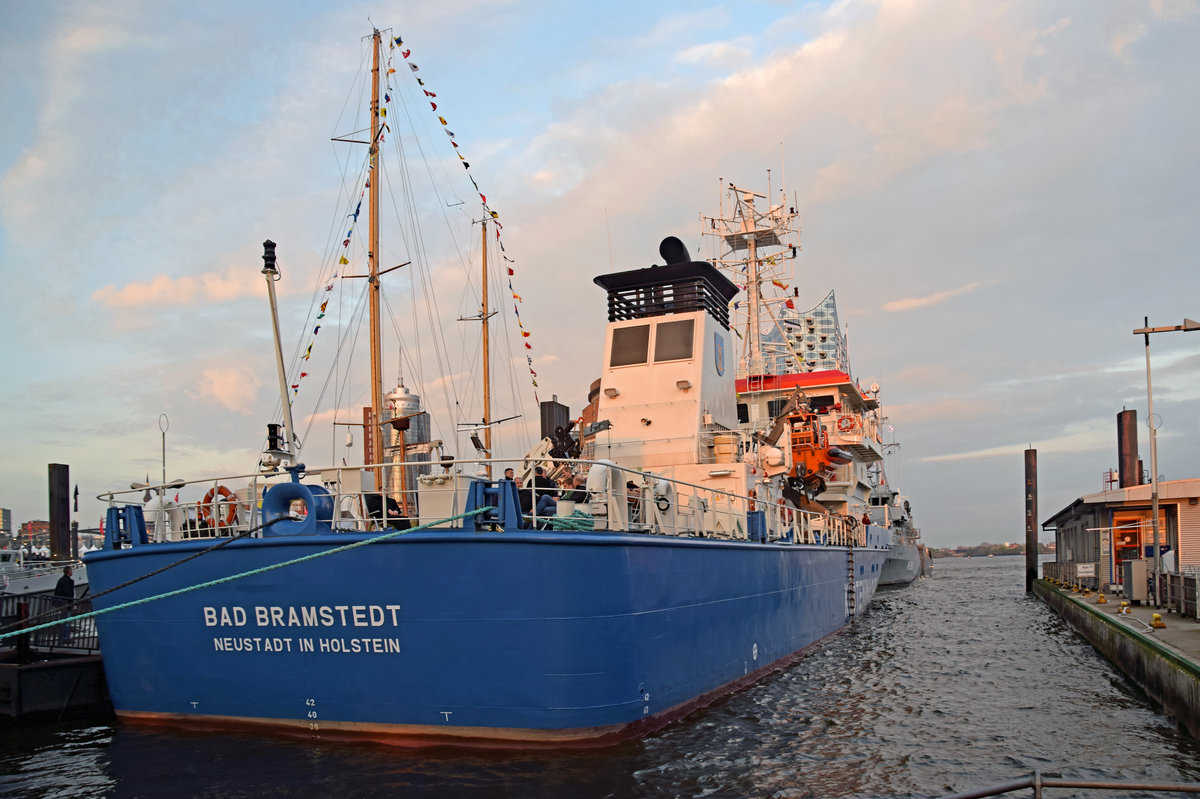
{"points": [[376, 432], [487, 391], [754, 356], [750, 234]]}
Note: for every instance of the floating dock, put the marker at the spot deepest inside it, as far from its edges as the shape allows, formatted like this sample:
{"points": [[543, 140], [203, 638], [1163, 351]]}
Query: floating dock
{"points": [[64, 686], [1164, 662], [50, 673]]}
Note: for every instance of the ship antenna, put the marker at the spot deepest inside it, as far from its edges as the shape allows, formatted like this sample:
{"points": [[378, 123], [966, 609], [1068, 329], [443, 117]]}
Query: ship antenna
{"points": [[608, 229], [782, 173]]}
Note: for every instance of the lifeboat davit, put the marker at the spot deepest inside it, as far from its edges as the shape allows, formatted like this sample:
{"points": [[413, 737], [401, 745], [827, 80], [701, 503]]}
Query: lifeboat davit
{"points": [[814, 461]]}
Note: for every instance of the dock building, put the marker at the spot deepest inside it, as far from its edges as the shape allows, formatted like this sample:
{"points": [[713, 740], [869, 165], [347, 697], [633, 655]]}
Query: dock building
{"points": [[1106, 542], [1107, 538]]}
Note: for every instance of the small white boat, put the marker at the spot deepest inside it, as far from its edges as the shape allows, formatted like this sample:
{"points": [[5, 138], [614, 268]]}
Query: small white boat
{"points": [[21, 577]]}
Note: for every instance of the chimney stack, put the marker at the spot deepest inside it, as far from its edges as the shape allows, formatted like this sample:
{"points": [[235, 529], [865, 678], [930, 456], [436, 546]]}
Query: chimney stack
{"points": [[1128, 467]]}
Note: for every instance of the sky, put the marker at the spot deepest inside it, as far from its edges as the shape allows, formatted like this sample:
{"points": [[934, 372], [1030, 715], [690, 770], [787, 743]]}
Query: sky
{"points": [[998, 193]]}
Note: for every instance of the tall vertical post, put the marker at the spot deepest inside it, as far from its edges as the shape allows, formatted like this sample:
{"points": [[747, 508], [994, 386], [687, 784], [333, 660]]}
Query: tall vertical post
{"points": [[405, 505], [270, 272], [487, 361], [164, 424], [754, 365], [1031, 536], [376, 433], [1188, 325], [370, 454], [1153, 471], [60, 511]]}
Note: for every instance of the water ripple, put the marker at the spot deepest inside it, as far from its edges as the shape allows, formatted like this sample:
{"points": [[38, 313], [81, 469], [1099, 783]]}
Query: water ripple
{"points": [[951, 683]]}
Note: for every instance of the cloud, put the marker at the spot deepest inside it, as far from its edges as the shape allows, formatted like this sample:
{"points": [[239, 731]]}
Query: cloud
{"points": [[57, 151], [672, 29], [1173, 9], [1089, 436], [163, 290], [327, 417], [927, 145], [717, 53], [1122, 39], [940, 410], [234, 388], [910, 303], [86, 41]]}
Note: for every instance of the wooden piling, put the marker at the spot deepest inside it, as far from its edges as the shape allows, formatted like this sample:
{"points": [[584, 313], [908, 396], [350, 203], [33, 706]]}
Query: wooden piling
{"points": [[1031, 536], [60, 511]]}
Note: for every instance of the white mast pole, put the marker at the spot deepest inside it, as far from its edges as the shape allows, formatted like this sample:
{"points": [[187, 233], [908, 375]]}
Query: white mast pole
{"points": [[271, 273]]}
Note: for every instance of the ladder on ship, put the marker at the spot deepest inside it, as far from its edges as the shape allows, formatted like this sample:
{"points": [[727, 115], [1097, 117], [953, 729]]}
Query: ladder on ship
{"points": [[850, 592]]}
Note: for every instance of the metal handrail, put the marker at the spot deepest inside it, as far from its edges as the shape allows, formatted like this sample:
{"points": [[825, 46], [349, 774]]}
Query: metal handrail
{"points": [[1038, 781], [70, 637], [784, 524]]}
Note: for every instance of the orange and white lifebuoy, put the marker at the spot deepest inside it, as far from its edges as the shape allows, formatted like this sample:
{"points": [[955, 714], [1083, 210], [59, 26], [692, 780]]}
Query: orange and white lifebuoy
{"points": [[210, 508], [845, 424]]}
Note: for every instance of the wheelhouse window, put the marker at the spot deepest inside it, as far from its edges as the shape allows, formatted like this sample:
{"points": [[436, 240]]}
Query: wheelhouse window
{"points": [[673, 340], [630, 345], [821, 404], [776, 406]]}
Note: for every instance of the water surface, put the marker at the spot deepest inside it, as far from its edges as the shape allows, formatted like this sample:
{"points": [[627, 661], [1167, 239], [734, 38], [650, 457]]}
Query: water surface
{"points": [[951, 683]]}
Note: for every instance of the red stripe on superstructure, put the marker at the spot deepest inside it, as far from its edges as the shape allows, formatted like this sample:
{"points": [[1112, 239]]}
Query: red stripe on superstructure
{"points": [[826, 377]]}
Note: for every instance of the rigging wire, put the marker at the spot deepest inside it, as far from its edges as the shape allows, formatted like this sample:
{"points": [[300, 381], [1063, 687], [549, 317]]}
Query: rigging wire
{"points": [[352, 328], [468, 343], [451, 390], [328, 266], [420, 278], [422, 294]]}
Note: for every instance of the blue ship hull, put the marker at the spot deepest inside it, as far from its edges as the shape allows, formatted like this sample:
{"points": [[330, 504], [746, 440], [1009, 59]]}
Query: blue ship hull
{"points": [[493, 639]]}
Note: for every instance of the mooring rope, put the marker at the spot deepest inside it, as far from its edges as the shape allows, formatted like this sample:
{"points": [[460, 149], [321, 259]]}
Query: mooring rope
{"points": [[232, 577], [578, 521], [67, 607]]}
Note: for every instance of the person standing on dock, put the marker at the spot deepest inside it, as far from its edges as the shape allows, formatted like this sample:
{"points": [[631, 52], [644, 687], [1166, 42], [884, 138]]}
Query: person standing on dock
{"points": [[64, 594]]}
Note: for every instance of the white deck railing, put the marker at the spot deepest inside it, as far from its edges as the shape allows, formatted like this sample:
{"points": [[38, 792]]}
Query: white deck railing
{"points": [[630, 501]]}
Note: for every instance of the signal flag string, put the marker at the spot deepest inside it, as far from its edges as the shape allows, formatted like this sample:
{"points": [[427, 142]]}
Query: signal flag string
{"points": [[397, 42]]}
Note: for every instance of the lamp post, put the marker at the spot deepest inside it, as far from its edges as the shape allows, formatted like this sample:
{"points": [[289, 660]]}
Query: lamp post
{"points": [[1187, 325]]}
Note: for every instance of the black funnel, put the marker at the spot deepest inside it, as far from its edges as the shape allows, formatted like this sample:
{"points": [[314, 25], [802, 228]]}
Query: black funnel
{"points": [[674, 251]]}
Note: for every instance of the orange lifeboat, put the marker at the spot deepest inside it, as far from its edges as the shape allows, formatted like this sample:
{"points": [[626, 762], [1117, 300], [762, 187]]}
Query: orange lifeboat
{"points": [[813, 459]]}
